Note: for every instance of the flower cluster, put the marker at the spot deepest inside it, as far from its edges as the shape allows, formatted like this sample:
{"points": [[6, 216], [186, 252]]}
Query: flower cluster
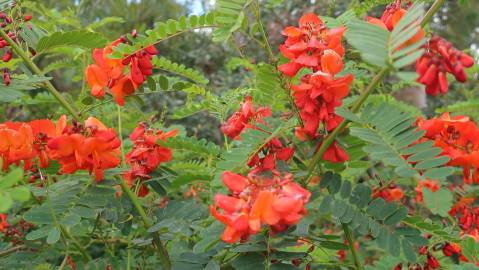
{"points": [[390, 193], [265, 159], [108, 72], [314, 46], [439, 59], [146, 154], [254, 201], [245, 117], [3, 222], [459, 139], [467, 215], [91, 146]]}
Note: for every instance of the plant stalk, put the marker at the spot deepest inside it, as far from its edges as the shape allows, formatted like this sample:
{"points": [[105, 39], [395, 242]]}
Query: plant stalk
{"points": [[162, 252], [432, 10], [33, 67], [349, 237]]}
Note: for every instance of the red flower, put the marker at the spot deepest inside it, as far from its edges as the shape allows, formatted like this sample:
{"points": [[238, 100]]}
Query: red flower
{"points": [[308, 44], [16, 144], [3, 224], [277, 202], [391, 193], [146, 154], [244, 118], [265, 159], [109, 73], [439, 59], [335, 153], [92, 147], [459, 139], [317, 97]]}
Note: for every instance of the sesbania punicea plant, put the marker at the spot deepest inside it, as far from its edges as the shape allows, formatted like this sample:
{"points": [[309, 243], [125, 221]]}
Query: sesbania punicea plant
{"points": [[314, 171]]}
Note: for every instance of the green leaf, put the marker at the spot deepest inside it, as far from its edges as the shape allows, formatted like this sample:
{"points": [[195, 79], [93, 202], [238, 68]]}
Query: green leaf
{"points": [[11, 178], [178, 69], [53, 236], [438, 202], [78, 38], [40, 233], [229, 17], [5, 202], [21, 194], [381, 47]]}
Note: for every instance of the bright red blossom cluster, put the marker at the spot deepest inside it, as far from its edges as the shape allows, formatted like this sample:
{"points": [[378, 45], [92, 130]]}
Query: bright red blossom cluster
{"points": [[245, 117], [253, 201], [3, 222], [439, 59], [312, 45], [91, 146], [146, 154], [390, 193], [467, 215], [110, 73], [459, 139]]}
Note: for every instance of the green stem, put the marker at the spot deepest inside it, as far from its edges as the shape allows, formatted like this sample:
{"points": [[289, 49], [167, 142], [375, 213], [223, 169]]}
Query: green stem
{"points": [[263, 32], [162, 252], [349, 237], [332, 136], [20, 52], [9, 251], [120, 131], [432, 10]]}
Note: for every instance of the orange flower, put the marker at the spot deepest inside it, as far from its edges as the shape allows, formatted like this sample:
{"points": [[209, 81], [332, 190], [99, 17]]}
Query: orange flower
{"points": [[3, 224], [459, 139], [277, 202], [16, 144], [110, 73], [146, 154], [92, 147], [308, 44]]}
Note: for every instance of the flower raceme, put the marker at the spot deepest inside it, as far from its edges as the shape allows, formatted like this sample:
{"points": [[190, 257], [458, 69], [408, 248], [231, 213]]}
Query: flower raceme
{"points": [[27, 141], [92, 146], [307, 44], [467, 215], [146, 154], [110, 73], [439, 59], [312, 45], [245, 117], [3, 222], [458, 137], [254, 201]]}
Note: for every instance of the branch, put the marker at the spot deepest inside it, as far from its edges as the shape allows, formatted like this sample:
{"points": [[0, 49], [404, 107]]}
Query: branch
{"points": [[33, 67]]}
